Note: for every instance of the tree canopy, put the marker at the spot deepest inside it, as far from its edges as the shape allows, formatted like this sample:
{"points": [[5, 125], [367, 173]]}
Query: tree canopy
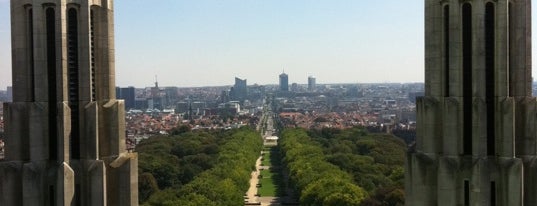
{"points": [[368, 166], [198, 168]]}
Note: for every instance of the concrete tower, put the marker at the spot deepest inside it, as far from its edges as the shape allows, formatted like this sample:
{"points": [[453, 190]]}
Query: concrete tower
{"points": [[284, 82], [476, 141], [311, 83], [65, 131]]}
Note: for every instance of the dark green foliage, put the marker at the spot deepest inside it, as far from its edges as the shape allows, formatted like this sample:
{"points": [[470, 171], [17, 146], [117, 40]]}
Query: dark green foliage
{"points": [[317, 181], [373, 162], [147, 185], [180, 130], [199, 168]]}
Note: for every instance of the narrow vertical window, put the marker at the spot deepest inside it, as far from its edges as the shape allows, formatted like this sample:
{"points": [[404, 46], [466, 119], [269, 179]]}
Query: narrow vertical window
{"points": [[31, 53], [466, 193], [72, 62], [51, 195], [489, 64], [77, 199], [467, 77], [492, 193], [510, 73], [51, 78], [446, 51], [92, 53]]}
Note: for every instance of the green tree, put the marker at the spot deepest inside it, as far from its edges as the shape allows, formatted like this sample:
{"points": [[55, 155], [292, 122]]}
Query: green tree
{"points": [[147, 185]]}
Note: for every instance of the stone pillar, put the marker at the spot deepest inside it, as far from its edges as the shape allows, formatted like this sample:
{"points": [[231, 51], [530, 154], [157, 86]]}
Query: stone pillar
{"points": [[39, 167]]}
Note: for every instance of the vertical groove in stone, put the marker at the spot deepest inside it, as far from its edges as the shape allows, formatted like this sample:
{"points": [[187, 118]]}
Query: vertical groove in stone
{"points": [[511, 51], [467, 77], [52, 89], [92, 54], [490, 80], [30, 37], [446, 51], [73, 79]]}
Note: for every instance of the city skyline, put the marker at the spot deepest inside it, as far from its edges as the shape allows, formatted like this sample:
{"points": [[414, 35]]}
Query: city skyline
{"points": [[207, 43]]}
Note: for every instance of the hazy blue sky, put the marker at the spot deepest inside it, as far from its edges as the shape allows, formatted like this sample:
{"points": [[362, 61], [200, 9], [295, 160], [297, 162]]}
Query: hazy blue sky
{"points": [[209, 42]]}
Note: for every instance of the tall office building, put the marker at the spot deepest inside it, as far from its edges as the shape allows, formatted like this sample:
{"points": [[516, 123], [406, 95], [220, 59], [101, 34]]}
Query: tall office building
{"points": [[476, 139], [240, 89], [311, 83], [284, 82], [9, 94], [65, 130], [128, 95]]}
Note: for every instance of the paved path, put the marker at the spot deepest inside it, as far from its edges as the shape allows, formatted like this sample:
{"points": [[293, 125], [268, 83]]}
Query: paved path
{"points": [[267, 201], [252, 191], [254, 177]]}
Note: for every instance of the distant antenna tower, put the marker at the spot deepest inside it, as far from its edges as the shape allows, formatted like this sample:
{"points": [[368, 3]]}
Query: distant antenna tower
{"points": [[156, 81]]}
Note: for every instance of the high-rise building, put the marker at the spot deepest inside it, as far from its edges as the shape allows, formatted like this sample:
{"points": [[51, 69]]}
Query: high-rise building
{"points": [[224, 96], [9, 94], [284, 82], [294, 87], [65, 130], [240, 90], [118, 92], [311, 83], [128, 94], [171, 97], [476, 139]]}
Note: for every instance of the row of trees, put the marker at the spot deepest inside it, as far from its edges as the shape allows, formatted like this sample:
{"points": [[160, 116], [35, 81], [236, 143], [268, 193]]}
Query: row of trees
{"points": [[375, 161], [317, 181], [198, 168], [321, 162]]}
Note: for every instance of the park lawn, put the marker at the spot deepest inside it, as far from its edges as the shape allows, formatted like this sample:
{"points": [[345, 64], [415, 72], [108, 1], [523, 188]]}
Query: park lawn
{"points": [[267, 148], [266, 159], [267, 174], [269, 183], [271, 179], [267, 189]]}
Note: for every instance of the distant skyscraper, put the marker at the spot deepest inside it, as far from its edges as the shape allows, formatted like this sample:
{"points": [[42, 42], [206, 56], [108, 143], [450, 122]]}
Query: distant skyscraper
{"points": [[65, 130], [224, 96], [128, 94], [294, 87], [156, 97], [118, 92], [311, 83], [240, 89], [9, 94], [476, 138], [284, 82]]}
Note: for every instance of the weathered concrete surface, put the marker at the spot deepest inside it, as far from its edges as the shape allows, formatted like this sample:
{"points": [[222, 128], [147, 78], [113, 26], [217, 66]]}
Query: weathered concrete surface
{"points": [[65, 131], [493, 162]]}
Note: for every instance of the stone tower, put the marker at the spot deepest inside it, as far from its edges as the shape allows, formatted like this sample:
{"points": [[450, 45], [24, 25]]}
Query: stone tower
{"points": [[65, 131], [476, 141]]}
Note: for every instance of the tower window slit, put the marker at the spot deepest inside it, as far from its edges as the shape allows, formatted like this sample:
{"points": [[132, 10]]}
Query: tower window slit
{"points": [[52, 195], [92, 54], [466, 193], [72, 38], [510, 74], [31, 53], [51, 79], [489, 64], [492, 193], [467, 77], [446, 51]]}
